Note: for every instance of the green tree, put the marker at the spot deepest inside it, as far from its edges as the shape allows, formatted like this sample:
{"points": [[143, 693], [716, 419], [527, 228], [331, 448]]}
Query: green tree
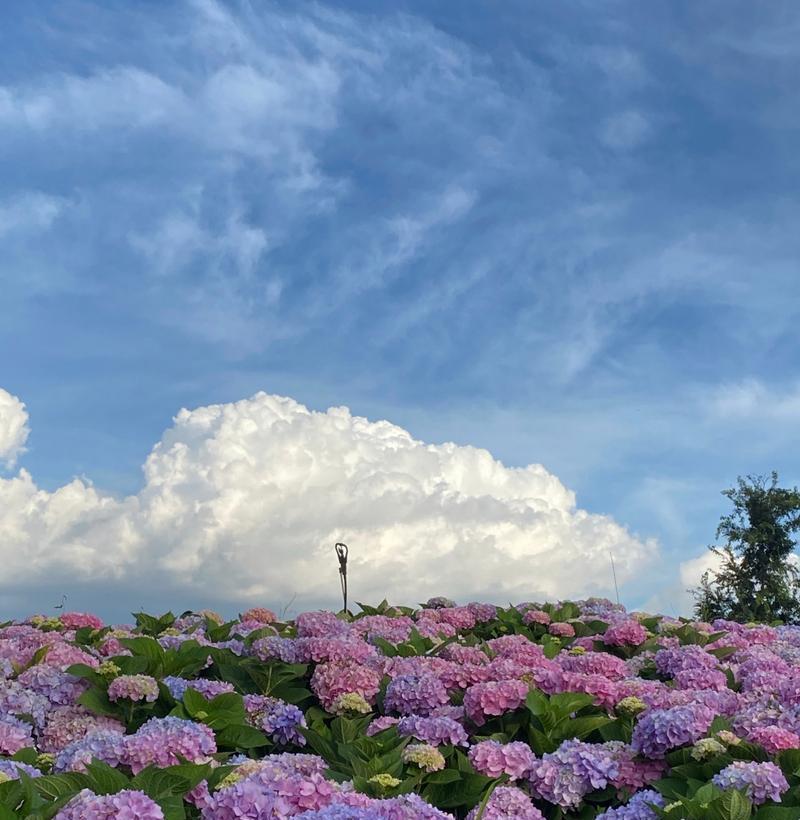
{"points": [[757, 579]]}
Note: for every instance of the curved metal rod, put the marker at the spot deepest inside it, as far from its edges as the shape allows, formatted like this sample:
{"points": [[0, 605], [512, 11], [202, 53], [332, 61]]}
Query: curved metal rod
{"points": [[341, 553]]}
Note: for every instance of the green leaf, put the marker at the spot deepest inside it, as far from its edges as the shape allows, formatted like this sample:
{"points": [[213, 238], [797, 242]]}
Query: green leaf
{"points": [[733, 805], [194, 702], [580, 727], [148, 648], [105, 779], [444, 776], [776, 813], [537, 702], [56, 786], [96, 700], [241, 737]]}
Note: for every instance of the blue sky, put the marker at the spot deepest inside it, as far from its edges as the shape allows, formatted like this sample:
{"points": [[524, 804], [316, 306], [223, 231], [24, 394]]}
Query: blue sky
{"points": [[566, 233]]}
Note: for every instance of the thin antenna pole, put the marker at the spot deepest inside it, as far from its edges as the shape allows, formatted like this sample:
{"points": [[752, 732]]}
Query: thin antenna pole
{"points": [[614, 573], [341, 554]]}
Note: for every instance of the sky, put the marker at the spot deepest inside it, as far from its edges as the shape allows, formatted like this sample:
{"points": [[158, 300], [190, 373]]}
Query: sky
{"points": [[541, 260]]}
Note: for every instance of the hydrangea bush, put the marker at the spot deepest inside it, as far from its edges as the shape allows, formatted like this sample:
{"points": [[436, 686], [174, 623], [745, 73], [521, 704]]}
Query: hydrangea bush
{"points": [[568, 711]]}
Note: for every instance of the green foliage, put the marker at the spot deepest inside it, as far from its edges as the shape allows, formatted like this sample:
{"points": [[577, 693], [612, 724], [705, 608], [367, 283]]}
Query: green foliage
{"points": [[756, 580], [561, 717]]}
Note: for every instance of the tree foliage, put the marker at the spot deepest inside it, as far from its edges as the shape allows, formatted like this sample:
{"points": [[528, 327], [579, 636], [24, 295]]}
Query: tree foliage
{"points": [[757, 579]]}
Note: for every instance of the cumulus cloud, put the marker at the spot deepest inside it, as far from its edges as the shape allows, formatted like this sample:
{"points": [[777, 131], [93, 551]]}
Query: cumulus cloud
{"points": [[13, 428], [243, 502]]}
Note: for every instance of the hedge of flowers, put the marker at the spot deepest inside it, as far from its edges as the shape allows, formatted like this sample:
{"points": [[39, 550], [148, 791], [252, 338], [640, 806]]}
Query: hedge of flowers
{"points": [[571, 710]]}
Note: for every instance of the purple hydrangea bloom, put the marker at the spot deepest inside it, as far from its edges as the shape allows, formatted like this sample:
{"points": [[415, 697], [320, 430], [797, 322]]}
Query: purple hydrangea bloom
{"points": [[105, 745], [60, 688], [12, 768], [637, 808], [245, 799], [405, 807], [565, 776], [124, 804], [760, 781], [280, 720], [660, 730], [434, 730], [15, 699], [415, 695], [508, 802], [209, 689], [15, 734], [164, 741]]}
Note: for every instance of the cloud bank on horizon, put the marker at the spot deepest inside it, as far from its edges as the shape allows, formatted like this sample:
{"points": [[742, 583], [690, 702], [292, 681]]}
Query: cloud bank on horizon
{"points": [[13, 428], [243, 502]]}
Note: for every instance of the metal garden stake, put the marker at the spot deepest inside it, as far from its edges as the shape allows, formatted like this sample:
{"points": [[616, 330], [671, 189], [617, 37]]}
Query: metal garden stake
{"points": [[341, 554]]}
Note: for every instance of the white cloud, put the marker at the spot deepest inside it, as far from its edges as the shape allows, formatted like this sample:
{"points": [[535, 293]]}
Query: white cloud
{"points": [[29, 211], [243, 502], [751, 399], [123, 96], [691, 571], [13, 428]]}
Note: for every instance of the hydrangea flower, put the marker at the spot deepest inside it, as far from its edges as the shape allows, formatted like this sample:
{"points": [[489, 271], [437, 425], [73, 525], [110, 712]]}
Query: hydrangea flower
{"points": [[336, 678], [350, 703], [637, 808], [493, 698], [415, 695], [281, 721], [565, 776], [134, 805], [625, 633], [260, 614], [67, 724], [774, 739], [77, 620], [15, 734], [209, 689], [104, 745], [660, 730], [134, 688], [508, 802], [164, 741], [425, 756], [760, 781], [494, 759], [434, 730]]}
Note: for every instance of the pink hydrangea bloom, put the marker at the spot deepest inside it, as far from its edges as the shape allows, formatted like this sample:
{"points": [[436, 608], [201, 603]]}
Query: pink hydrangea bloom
{"points": [[494, 759], [260, 614], [493, 698], [625, 633], [76, 620], [336, 678]]}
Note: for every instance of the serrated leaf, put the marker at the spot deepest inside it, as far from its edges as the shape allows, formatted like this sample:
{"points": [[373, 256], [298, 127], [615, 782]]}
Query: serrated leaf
{"points": [[105, 779]]}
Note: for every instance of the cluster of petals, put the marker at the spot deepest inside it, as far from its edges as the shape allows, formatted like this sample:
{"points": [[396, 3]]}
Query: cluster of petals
{"points": [[508, 802], [134, 805], [493, 759], [494, 698], [134, 688], [760, 781], [335, 678]]}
